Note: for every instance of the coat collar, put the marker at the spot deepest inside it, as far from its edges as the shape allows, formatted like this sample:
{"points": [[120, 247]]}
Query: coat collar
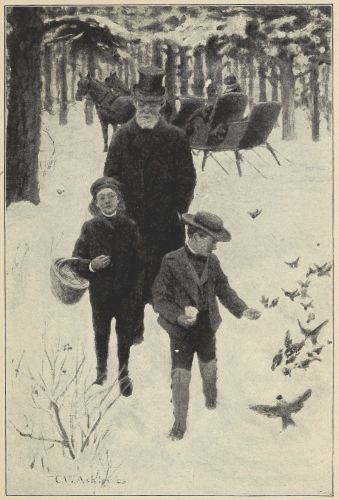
{"points": [[187, 275]]}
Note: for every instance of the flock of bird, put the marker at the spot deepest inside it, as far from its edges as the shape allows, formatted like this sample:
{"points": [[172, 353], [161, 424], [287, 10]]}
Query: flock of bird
{"points": [[289, 357]]}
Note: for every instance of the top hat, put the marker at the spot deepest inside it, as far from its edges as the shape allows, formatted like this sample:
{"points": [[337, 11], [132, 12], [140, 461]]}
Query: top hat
{"points": [[209, 223], [150, 86]]}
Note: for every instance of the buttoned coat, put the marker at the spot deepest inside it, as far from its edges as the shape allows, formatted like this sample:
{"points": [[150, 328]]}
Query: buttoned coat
{"points": [[156, 171], [177, 286], [114, 288]]}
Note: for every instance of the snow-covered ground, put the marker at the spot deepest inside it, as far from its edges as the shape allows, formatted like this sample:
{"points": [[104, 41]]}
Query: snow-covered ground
{"points": [[231, 450]]}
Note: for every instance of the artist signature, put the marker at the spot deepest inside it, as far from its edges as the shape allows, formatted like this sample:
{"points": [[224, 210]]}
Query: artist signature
{"points": [[77, 479]]}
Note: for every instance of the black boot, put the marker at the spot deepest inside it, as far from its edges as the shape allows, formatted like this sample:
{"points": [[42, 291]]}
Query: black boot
{"points": [[125, 383], [180, 397], [101, 375]]}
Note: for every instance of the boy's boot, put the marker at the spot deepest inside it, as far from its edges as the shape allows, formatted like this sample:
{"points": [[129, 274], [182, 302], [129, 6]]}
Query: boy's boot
{"points": [[209, 382], [180, 397], [101, 375], [125, 383]]}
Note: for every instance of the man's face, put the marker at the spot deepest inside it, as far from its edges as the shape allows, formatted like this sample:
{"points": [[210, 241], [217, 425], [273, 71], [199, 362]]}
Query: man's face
{"points": [[147, 113], [107, 200], [204, 244]]}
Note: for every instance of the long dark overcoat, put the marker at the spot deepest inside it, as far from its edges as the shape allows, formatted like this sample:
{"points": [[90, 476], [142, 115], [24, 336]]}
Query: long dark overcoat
{"points": [[112, 289], [157, 174]]}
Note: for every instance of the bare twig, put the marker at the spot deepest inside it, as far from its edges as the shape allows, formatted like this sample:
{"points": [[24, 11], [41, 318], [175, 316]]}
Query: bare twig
{"points": [[29, 435], [66, 440], [17, 369], [72, 379]]}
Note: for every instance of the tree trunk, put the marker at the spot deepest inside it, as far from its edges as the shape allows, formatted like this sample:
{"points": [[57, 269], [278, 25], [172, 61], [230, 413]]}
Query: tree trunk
{"points": [[73, 62], [213, 67], [327, 98], [132, 68], [287, 81], [184, 71], [48, 99], [170, 72], [63, 110], [251, 76], [243, 77], [274, 81], [126, 73], [315, 113], [148, 54], [157, 53], [198, 71], [236, 68], [89, 104], [140, 56], [24, 109], [262, 82]]}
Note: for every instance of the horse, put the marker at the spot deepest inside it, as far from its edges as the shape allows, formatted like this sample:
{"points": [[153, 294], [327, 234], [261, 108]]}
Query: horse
{"points": [[110, 107]]}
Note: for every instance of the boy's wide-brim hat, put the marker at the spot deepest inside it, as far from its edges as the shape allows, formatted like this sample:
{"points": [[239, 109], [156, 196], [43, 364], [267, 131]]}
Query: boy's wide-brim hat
{"points": [[150, 86], [105, 182], [209, 223]]}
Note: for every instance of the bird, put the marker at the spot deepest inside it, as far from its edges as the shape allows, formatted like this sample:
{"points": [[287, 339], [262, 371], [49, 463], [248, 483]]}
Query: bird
{"points": [[264, 300], [274, 302], [286, 371], [291, 359], [60, 191], [312, 334], [288, 340], [329, 342], [255, 213], [306, 306], [321, 268], [276, 361], [310, 317], [294, 348], [306, 363], [326, 271], [310, 271], [291, 295], [304, 284], [318, 349], [303, 293], [294, 263], [283, 409], [67, 347]]}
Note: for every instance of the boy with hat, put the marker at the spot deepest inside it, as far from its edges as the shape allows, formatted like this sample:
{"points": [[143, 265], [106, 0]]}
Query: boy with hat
{"points": [[152, 160], [109, 257], [184, 294]]}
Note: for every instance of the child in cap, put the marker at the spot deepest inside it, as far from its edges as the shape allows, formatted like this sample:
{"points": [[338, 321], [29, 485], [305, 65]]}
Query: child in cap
{"points": [[110, 258]]}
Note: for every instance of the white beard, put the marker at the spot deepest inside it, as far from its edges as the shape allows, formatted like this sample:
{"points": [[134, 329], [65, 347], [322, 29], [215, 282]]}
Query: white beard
{"points": [[146, 122]]}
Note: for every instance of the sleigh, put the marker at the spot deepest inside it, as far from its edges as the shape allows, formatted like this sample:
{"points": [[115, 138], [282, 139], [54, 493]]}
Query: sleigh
{"points": [[221, 127]]}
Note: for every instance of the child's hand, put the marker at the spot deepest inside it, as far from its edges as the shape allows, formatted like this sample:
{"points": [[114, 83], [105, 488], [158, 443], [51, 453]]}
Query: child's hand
{"points": [[251, 313], [100, 262], [185, 321]]}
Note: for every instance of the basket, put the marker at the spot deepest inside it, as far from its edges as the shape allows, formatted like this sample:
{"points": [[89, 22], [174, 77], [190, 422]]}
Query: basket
{"points": [[66, 285]]}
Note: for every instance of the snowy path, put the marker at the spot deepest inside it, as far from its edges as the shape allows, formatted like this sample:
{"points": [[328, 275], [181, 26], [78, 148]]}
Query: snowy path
{"points": [[231, 450]]}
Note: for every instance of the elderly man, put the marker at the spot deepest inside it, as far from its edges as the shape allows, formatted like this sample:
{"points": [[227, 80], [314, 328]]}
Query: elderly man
{"points": [[152, 161]]}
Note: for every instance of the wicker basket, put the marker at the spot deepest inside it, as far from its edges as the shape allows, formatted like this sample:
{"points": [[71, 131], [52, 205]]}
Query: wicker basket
{"points": [[66, 285]]}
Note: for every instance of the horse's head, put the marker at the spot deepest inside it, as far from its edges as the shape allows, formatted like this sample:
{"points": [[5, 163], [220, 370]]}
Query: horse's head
{"points": [[83, 85]]}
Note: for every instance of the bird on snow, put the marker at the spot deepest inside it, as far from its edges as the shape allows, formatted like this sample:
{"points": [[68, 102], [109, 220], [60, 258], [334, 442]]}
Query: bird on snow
{"points": [[294, 348], [283, 409], [310, 317], [276, 361], [322, 268], [310, 271], [325, 271], [304, 284], [255, 213], [312, 334], [274, 302], [264, 300], [306, 306], [318, 349], [286, 371], [291, 295], [306, 363], [294, 263]]}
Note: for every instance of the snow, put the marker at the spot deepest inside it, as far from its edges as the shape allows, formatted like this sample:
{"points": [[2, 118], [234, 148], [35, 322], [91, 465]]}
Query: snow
{"points": [[231, 450]]}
